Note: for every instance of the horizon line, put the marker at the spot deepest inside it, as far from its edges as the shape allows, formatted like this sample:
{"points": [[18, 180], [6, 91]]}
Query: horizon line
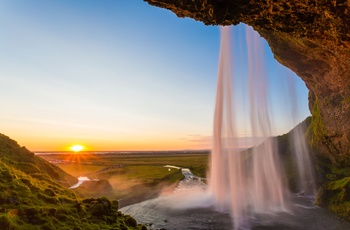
{"points": [[120, 151]]}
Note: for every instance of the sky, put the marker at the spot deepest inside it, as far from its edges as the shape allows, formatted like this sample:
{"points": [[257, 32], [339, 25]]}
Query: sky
{"points": [[119, 75]]}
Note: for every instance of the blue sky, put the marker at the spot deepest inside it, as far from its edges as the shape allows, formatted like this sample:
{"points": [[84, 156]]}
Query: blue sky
{"points": [[114, 75]]}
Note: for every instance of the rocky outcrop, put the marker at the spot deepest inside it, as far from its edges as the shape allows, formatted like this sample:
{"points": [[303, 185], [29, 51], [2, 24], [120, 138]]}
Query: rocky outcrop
{"points": [[312, 38], [326, 73]]}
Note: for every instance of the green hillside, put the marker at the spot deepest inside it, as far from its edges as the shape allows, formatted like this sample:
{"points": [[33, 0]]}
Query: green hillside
{"points": [[33, 195], [25, 161]]}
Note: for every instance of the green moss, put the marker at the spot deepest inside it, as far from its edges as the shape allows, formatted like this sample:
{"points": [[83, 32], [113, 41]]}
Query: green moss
{"points": [[339, 184], [343, 210], [330, 176], [341, 171], [316, 130], [335, 195]]}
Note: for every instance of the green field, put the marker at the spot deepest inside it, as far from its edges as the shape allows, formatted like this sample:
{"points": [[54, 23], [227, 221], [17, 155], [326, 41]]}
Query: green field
{"points": [[133, 176]]}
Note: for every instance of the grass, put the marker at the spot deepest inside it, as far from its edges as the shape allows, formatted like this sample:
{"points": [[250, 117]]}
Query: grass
{"points": [[31, 203], [27, 162], [33, 196], [134, 176], [147, 173], [132, 166]]}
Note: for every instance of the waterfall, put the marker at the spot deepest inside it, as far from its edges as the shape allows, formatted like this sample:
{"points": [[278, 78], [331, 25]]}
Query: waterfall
{"points": [[303, 162], [249, 182]]}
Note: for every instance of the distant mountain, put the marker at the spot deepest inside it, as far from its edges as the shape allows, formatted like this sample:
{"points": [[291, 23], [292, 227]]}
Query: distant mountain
{"points": [[34, 195]]}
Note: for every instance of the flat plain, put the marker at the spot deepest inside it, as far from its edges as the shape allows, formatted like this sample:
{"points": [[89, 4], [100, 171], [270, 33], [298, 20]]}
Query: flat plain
{"points": [[134, 176]]}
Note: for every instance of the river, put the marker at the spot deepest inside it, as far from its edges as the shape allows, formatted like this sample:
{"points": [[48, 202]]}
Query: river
{"points": [[189, 206]]}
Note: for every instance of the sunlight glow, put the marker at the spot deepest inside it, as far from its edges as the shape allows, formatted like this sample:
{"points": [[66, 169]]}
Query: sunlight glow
{"points": [[77, 148]]}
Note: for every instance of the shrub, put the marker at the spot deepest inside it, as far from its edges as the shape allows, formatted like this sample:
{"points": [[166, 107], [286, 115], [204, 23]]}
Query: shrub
{"points": [[130, 221], [88, 201], [115, 205], [98, 210]]}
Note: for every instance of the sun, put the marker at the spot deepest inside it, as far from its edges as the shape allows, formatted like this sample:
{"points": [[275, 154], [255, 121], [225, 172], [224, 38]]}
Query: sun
{"points": [[77, 148]]}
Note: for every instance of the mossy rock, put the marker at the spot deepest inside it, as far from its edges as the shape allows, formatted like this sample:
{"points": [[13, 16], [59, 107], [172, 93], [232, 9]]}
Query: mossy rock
{"points": [[335, 195], [341, 171], [316, 130], [343, 210]]}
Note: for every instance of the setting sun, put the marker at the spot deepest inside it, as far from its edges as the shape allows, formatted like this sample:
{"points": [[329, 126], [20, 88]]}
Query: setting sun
{"points": [[77, 148]]}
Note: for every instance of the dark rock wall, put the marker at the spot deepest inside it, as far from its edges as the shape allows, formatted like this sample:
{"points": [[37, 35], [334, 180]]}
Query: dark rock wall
{"points": [[326, 73], [312, 38]]}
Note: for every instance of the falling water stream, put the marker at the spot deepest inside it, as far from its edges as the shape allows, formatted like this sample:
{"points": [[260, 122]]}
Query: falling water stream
{"points": [[249, 182], [303, 161]]}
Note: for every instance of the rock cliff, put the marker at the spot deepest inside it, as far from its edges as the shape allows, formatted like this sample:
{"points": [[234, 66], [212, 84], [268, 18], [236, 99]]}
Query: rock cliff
{"points": [[312, 38]]}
